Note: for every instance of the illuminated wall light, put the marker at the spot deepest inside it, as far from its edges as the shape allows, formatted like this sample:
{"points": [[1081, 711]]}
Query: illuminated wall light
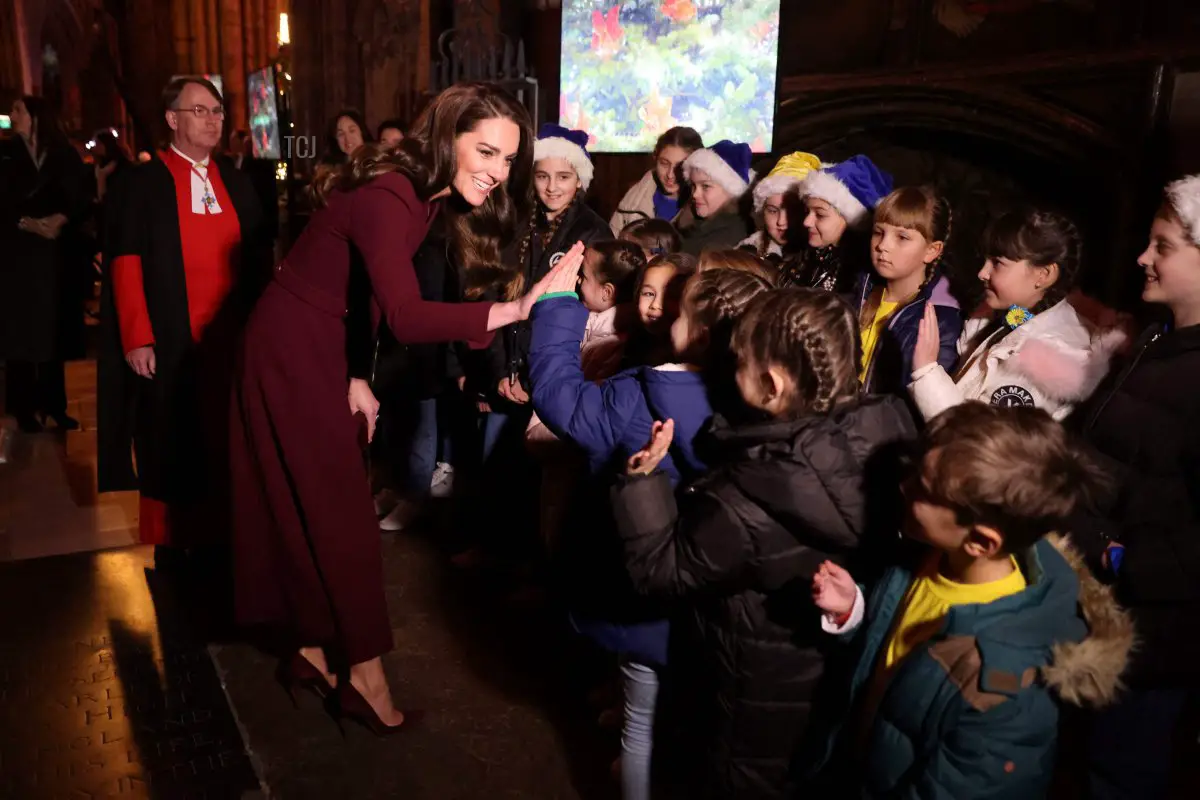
{"points": [[285, 33]]}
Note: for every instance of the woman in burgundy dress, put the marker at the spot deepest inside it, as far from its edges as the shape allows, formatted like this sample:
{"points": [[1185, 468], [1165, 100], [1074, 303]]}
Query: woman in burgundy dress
{"points": [[307, 548]]}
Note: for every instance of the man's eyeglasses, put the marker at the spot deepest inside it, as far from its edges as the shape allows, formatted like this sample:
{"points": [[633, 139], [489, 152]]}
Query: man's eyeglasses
{"points": [[203, 112]]}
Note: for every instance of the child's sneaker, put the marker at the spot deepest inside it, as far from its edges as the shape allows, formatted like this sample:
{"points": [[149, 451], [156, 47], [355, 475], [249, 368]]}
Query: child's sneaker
{"points": [[401, 516], [385, 501], [443, 480]]}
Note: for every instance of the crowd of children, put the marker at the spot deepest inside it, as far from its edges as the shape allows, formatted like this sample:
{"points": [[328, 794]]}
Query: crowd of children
{"points": [[865, 530]]}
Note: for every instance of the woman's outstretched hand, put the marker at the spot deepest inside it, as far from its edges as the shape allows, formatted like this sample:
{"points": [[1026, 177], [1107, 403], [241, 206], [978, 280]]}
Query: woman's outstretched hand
{"points": [[645, 461], [834, 590], [562, 277]]}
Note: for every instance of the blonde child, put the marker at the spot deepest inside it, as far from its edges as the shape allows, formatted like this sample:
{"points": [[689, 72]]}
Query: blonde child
{"points": [[908, 239]]}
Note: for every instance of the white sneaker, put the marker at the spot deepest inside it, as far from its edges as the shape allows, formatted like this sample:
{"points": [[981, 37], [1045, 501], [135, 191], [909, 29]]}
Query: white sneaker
{"points": [[401, 516], [442, 484], [385, 501]]}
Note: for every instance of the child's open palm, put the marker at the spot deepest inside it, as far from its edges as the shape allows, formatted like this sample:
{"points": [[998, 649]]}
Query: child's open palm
{"points": [[928, 339], [645, 461], [834, 590]]}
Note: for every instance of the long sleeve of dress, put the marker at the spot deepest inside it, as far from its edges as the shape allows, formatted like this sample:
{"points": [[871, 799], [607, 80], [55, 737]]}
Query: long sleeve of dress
{"points": [[387, 226]]}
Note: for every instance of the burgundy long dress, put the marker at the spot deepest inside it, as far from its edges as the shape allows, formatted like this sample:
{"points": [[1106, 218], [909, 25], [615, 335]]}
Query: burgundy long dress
{"points": [[307, 556]]}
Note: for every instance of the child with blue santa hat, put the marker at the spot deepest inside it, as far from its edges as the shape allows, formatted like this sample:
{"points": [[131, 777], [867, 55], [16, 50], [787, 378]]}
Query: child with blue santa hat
{"points": [[718, 176], [839, 203]]}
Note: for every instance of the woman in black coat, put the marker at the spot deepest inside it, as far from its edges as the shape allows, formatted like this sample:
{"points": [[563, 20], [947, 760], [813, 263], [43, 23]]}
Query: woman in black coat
{"points": [[1142, 420], [42, 191]]}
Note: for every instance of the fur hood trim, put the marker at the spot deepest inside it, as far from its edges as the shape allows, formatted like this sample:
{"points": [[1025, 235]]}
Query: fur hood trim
{"points": [[1068, 375], [1088, 673]]}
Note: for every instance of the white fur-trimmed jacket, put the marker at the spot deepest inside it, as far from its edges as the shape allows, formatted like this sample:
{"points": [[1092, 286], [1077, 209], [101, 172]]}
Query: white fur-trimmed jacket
{"points": [[1052, 362]]}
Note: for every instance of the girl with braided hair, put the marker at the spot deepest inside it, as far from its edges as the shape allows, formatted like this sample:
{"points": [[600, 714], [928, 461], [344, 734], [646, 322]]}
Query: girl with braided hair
{"points": [[790, 490], [609, 421], [1031, 346], [562, 173], [908, 240]]}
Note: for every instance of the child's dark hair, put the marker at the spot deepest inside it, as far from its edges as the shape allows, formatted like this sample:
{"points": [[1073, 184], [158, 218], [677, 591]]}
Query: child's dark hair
{"points": [[1012, 469], [621, 264], [810, 334], [1042, 238], [655, 236], [716, 299], [684, 264], [679, 136], [742, 260]]}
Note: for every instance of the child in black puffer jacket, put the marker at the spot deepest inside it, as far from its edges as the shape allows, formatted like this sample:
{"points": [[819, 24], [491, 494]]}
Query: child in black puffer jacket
{"points": [[743, 542]]}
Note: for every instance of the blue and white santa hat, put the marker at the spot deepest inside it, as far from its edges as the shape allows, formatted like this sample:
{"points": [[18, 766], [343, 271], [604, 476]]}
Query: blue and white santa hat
{"points": [[853, 187], [726, 162], [555, 141]]}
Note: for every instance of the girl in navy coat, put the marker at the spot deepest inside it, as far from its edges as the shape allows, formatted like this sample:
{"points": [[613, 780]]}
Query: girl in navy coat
{"points": [[610, 421], [908, 239]]}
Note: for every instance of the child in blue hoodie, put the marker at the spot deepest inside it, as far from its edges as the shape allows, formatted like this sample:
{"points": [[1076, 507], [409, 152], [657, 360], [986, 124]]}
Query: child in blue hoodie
{"points": [[610, 421]]}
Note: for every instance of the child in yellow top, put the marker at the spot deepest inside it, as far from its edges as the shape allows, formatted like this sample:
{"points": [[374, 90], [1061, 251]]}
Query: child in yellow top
{"points": [[908, 238], [961, 658]]}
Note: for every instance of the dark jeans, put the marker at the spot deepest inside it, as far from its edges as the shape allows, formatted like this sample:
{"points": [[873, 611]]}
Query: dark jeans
{"points": [[34, 386], [431, 433], [1131, 745]]}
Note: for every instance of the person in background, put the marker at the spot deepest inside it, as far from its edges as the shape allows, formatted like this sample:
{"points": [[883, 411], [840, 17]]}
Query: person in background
{"points": [[347, 132], [839, 201], [662, 192], [776, 203], [43, 192], [1030, 347], [184, 271], [656, 237], [718, 177], [986, 620], [790, 489], [1146, 541], [908, 239], [391, 132]]}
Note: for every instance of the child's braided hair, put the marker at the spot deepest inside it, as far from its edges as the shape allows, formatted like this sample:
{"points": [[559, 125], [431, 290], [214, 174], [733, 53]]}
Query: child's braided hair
{"points": [[809, 334], [516, 284]]}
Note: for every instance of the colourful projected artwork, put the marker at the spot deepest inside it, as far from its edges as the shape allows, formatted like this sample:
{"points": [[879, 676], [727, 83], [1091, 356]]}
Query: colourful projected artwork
{"points": [[264, 113], [633, 69]]}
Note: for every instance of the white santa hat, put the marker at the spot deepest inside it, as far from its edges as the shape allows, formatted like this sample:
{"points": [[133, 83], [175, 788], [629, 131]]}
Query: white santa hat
{"points": [[726, 162], [1184, 197], [555, 141]]}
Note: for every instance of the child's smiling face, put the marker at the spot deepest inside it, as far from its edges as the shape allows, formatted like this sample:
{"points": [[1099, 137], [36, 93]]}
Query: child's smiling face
{"points": [[654, 300], [824, 224]]}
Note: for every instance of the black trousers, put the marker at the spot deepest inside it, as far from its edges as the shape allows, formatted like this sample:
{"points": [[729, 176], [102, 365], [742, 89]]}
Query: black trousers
{"points": [[32, 386]]}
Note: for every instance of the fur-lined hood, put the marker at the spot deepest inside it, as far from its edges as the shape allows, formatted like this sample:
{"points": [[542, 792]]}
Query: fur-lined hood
{"points": [[1088, 673]]}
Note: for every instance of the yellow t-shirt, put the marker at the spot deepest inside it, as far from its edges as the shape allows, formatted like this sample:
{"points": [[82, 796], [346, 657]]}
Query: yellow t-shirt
{"points": [[930, 598], [871, 333]]}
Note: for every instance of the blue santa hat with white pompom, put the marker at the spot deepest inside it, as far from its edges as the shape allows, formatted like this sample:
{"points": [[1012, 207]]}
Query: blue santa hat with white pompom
{"points": [[853, 187], [726, 162], [555, 141]]}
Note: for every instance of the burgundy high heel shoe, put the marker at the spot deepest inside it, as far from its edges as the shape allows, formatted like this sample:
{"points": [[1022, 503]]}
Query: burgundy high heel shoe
{"points": [[346, 701], [298, 673]]}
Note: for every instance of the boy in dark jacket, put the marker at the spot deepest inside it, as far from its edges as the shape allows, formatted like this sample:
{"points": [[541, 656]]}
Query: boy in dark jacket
{"points": [[963, 646]]}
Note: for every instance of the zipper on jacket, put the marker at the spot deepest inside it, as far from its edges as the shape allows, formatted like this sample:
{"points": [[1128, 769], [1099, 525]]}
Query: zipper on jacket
{"points": [[1125, 373]]}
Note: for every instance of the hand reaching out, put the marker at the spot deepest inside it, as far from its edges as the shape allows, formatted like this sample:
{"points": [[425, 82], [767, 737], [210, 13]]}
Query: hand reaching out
{"points": [[645, 461], [929, 340], [834, 590], [562, 277]]}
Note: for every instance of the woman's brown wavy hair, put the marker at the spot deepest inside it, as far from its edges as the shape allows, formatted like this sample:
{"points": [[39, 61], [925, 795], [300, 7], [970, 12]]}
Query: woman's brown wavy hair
{"points": [[427, 157]]}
